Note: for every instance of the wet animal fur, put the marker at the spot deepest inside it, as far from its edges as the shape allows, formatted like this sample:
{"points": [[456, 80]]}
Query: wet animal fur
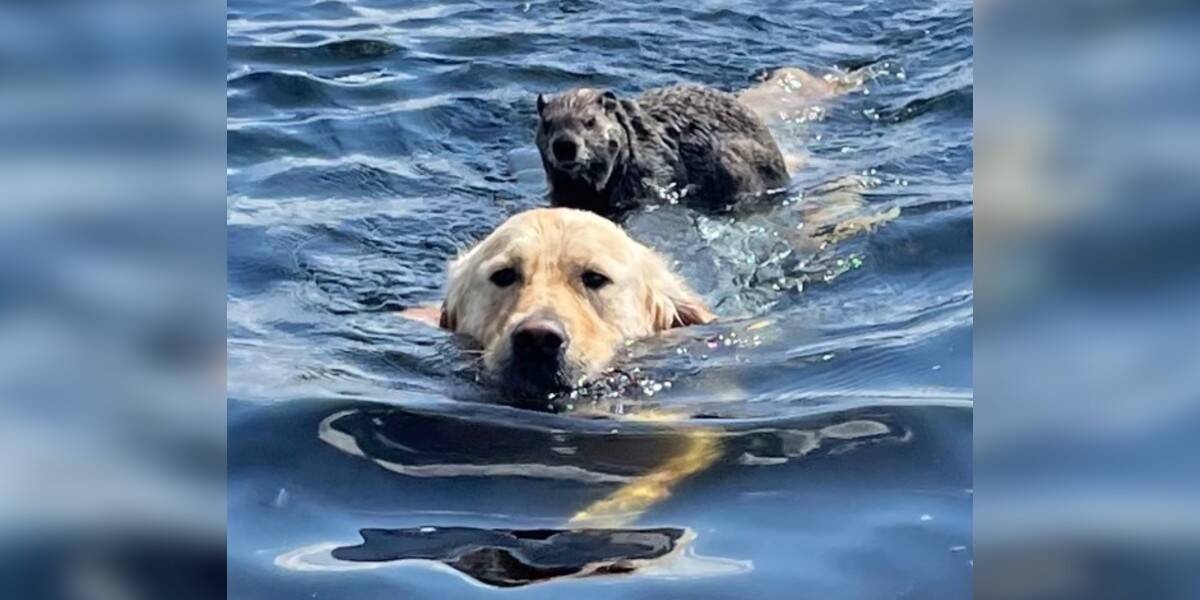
{"points": [[692, 140]]}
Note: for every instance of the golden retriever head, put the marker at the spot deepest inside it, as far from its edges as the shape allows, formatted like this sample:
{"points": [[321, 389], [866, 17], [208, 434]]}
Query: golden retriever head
{"points": [[552, 293]]}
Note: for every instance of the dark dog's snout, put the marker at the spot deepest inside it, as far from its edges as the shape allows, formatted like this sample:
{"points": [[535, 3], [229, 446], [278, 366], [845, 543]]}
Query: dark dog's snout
{"points": [[564, 150], [539, 337]]}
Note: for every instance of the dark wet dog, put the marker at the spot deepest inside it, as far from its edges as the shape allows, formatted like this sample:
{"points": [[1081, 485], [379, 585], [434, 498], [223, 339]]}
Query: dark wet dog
{"points": [[693, 144]]}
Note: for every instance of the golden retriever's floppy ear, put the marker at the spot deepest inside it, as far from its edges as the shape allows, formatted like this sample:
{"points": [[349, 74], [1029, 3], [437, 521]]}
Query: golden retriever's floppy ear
{"points": [[447, 320], [672, 303], [453, 302], [456, 288]]}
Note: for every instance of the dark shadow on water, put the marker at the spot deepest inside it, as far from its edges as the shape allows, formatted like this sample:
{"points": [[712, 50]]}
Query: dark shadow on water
{"points": [[515, 557]]}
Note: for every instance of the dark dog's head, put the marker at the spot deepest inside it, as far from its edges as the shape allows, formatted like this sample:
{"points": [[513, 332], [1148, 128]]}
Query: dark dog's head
{"points": [[581, 137]]}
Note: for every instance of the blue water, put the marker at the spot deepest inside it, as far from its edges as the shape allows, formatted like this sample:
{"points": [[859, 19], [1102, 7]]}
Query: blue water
{"points": [[368, 143]]}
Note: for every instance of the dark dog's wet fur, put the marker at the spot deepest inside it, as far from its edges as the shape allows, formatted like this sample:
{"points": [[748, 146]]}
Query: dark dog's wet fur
{"points": [[609, 155]]}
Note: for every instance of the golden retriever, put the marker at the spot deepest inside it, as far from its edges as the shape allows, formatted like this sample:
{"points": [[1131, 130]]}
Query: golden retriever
{"points": [[552, 294]]}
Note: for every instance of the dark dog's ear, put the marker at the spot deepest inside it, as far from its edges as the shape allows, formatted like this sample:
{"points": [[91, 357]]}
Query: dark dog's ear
{"points": [[609, 101], [541, 104]]}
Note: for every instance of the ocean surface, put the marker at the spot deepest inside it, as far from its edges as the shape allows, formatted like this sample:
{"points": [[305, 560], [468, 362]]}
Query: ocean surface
{"points": [[823, 424]]}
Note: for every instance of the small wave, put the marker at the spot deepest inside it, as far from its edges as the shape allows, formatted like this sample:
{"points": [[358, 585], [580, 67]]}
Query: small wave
{"points": [[282, 89], [339, 51], [726, 16], [958, 102]]}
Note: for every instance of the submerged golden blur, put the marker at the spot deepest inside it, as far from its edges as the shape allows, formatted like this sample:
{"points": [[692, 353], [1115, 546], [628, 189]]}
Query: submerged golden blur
{"points": [[623, 507]]}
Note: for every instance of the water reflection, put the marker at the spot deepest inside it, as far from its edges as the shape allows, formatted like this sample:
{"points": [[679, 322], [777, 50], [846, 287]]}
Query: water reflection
{"points": [[631, 464]]}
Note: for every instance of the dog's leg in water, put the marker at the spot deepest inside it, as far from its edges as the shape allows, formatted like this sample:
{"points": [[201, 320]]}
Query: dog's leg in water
{"points": [[622, 508], [836, 211], [430, 315], [788, 97]]}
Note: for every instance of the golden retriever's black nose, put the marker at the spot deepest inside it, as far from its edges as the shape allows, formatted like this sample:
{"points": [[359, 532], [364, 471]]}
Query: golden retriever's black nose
{"points": [[564, 150], [539, 336]]}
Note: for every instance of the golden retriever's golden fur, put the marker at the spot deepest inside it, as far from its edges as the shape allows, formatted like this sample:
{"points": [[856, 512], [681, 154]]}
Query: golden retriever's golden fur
{"points": [[572, 267]]}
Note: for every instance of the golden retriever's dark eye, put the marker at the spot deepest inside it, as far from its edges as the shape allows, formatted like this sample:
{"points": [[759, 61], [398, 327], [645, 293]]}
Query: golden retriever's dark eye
{"points": [[590, 123], [504, 277], [594, 281]]}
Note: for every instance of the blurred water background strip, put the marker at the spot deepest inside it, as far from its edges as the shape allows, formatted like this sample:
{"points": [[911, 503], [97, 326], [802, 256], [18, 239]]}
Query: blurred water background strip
{"points": [[112, 313], [1088, 240]]}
